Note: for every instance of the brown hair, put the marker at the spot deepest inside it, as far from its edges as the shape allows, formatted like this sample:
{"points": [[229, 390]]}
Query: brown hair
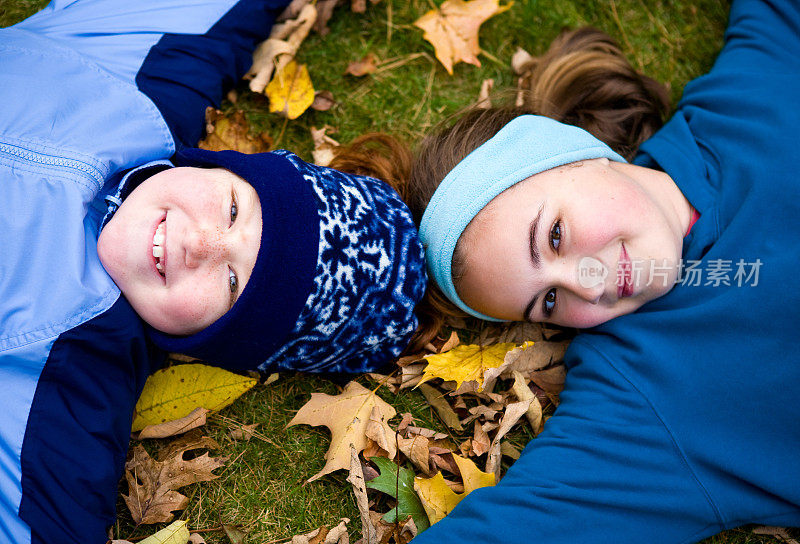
{"points": [[583, 79]]}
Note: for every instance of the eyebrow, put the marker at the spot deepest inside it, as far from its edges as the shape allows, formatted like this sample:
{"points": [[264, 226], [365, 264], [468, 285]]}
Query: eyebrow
{"points": [[535, 257]]}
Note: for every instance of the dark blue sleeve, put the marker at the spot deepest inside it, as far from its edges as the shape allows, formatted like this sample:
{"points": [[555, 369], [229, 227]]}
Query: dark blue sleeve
{"points": [[604, 470], [79, 425], [762, 36]]}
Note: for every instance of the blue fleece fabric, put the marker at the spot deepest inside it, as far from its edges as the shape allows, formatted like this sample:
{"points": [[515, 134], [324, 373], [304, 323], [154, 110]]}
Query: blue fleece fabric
{"points": [[681, 420]]}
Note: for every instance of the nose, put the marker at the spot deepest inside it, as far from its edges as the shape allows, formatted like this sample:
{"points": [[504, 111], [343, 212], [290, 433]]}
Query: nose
{"points": [[586, 279], [203, 245]]}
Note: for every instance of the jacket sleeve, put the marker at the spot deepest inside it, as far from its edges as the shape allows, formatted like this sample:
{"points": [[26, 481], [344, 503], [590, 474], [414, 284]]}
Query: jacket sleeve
{"points": [[604, 470], [762, 36], [183, 55]]}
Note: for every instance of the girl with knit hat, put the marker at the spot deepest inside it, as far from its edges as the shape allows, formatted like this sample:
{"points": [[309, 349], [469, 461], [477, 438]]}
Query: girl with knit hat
{"points": [[673, 250], [121, 242]]}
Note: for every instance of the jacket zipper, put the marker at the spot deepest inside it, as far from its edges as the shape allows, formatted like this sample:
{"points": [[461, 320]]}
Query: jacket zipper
{"points": [[50, 160]]}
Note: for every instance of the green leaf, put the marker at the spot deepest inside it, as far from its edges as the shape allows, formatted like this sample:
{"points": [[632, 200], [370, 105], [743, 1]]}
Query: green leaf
{"points": [[398, 482]]}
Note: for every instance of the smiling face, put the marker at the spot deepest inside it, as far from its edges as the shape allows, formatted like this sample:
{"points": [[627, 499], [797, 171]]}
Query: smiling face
{"points": [[603, 231], [202, 228]]}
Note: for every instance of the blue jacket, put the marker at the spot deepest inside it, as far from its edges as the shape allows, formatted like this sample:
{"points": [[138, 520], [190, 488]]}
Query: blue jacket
{"points": [[89, 88], [681, 420]]}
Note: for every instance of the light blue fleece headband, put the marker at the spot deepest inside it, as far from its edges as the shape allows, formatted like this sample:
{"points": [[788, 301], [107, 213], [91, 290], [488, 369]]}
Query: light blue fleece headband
{"points": [[526, 146]]}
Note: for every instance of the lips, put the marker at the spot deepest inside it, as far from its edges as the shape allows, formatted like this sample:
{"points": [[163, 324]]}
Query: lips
{"points": [[624, 275], [163, 258]]}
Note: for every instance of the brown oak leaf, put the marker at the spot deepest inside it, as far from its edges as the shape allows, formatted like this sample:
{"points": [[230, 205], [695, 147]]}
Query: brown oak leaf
{"points": [[152, 484]]}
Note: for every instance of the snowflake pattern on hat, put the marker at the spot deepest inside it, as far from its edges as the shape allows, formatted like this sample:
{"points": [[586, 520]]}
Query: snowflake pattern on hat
{"points": [[370, 274]]}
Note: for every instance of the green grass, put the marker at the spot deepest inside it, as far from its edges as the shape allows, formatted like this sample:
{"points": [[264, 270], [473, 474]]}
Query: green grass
{"points": [[262, 488]]}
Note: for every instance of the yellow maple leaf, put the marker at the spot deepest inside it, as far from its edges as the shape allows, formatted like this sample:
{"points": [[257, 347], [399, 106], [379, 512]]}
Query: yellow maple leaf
{"points": [[291, 91], [174, 392], [438, 499], [347, 416], [453, 29], [465, 362]]}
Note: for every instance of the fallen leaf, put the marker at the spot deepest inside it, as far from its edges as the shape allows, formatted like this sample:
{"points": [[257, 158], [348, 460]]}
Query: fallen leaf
{"points": [[235, 534], [232, 132], [323, 101], [509, 450], [437, 497], [346, 415], [243, 432], [551, 381], [172, 393], [484, 102], [513, 413], [436, 399], [380, 432], [367, 65], [325, 12], [416, 449], [356, 478], [338, 535], [521, 61], [196, 538], [465, 363], [524, 393], [527, 358], [290, 92], [276, 52], [324, 146], [453, 29], [778, 532], [398, 482], [152, 485], [480, 440], [197, 418]]}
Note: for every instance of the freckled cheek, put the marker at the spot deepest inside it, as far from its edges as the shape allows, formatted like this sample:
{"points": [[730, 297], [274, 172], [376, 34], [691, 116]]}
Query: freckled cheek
{"points": [[195, 303]]}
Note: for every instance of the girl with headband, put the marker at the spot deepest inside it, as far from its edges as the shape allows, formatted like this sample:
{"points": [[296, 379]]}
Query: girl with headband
{"points": [[116, 249], [678, 263]]}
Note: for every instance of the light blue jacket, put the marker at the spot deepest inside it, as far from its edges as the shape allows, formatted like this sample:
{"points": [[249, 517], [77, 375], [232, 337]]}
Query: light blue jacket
{"points": [[90, 89]]}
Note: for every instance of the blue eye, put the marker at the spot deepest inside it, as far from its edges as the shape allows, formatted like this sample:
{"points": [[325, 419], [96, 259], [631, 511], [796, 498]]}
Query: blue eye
{"points": [[555, 235], [234, 208], [233, 281], [549, 303]]}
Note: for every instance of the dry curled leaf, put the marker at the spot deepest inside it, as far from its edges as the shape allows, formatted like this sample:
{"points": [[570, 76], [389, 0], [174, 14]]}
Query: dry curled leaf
{"points": [[197, 418], [232, 132], [356, 478], [453, 29], [367, 65], [324, 146], [323, 101], [275, 53], [484, 102]]}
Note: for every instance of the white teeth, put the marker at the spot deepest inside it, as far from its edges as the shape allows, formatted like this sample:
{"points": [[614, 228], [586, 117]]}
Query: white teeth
{"points": [[158, 251], [159, 236], [160, 268]]}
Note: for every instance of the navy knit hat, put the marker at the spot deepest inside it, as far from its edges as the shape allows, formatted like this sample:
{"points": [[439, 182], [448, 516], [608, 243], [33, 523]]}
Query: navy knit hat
{"points": [[336, 279]]}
